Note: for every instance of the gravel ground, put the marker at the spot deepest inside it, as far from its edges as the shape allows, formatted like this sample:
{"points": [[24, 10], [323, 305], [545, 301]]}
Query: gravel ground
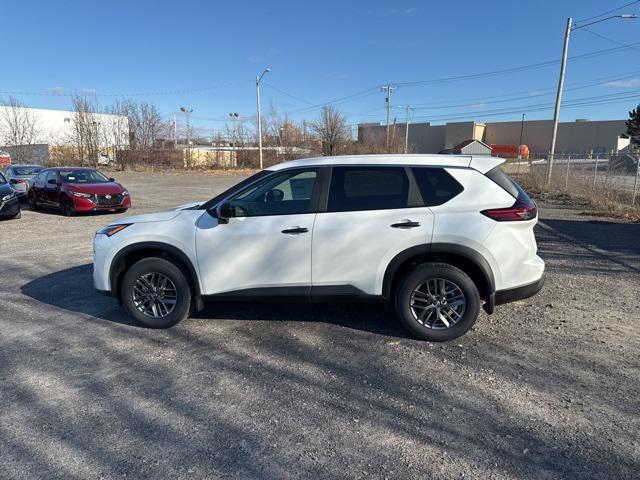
{"points": [[544, 388]]}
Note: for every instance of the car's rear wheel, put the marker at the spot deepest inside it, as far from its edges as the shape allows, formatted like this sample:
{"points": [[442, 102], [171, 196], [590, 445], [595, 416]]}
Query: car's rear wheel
{"points": [[31, 197], [156, 293], [437, 302], [18, 215], [67, 208]]}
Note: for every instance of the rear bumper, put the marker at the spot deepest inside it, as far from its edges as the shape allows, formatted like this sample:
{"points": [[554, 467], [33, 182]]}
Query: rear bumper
{"points": [[519, 293]]}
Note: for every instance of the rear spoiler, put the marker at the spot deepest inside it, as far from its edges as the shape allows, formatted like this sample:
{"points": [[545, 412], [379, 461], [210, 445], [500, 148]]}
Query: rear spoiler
{"points": [[484, 163]]}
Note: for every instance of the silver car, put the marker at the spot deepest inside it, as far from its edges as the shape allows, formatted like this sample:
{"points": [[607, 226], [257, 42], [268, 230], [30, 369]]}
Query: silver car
{"points": [[21, 177]]}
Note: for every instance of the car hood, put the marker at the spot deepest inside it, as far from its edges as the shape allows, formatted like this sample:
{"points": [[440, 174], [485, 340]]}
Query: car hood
{"points": [[111, 188], [6, 189]]}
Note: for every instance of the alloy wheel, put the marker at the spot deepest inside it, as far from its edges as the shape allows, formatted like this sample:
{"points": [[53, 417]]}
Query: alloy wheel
{"points": [[154, 295], [438, 304]]}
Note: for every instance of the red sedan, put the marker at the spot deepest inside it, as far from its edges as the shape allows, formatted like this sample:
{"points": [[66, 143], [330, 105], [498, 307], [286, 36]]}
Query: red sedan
{"points": [[77, 190]]}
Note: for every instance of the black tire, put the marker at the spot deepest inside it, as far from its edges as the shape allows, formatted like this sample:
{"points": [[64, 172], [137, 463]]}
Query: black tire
{"points": [[438, 331], [18, 215], [66, 208], [157, 265], [33, 205], [121, 210]]}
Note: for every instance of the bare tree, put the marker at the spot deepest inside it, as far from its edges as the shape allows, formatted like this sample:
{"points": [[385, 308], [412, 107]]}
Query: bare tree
{"points": [[145, 123], [19, 128], [115, 128], [332, 130], [86, 128]]}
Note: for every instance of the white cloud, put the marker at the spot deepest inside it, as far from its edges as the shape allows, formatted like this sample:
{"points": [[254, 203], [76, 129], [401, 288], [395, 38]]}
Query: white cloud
{"points": [[56, 90], [477, 105], [633, 82]]}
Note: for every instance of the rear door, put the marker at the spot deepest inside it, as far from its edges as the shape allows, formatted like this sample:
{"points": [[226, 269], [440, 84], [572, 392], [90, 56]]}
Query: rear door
{"points": [[372, 214]]}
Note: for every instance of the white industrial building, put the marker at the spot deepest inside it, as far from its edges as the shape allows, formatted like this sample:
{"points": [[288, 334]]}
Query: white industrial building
{"points": [[55, 127], [581, 136]]}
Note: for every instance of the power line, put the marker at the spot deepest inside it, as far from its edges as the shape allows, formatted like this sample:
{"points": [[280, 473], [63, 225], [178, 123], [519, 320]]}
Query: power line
{"points": [[608, 12]]}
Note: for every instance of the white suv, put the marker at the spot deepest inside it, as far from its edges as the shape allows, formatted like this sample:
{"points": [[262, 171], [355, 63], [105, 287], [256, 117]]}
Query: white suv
{"points": [[436, 236]]}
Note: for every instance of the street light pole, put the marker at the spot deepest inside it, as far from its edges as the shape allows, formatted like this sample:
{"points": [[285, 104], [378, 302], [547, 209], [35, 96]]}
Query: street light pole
{"points": [[188, 112], [563, 66], [266, 70]]}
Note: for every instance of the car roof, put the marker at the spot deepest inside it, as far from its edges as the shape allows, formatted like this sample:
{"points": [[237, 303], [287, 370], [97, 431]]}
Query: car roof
{"points": [[482, 163], [25, 165], [57, 169]]}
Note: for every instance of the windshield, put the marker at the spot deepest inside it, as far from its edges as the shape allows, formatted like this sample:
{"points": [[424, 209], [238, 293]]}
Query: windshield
{"points": [[26, 170], [82, 176]]}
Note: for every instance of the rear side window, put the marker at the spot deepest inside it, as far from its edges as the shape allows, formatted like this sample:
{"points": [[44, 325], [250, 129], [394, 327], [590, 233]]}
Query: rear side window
{"points": [[507, 183], [436, 185], [368, 188], [498, 176]]}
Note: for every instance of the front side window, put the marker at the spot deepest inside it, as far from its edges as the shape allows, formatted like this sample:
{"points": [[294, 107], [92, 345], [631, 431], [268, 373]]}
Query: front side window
{"points": [[436, 185], [285, 193], [51, 175], [368, 188], [82, 176], [42, 176]]}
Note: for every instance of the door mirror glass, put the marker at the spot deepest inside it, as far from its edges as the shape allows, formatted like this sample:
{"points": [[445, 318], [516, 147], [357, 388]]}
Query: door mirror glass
{"points": [[224, 212], [111, 179]]}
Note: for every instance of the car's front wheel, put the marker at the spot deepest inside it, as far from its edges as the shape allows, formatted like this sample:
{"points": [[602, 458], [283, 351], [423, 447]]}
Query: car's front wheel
{"points": [[437, 302], [156, 293], [67, 208], [33, 204]]}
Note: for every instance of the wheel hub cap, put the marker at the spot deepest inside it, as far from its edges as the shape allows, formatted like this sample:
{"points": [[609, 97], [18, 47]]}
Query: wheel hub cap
{"points": [[154, 295], [438, 304]]}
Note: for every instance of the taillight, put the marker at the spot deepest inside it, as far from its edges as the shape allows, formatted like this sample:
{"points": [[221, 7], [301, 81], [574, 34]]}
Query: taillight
{"points": [[523, 209]]}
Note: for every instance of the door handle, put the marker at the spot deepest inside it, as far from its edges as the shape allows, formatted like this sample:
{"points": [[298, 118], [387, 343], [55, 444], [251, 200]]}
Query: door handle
{"points": [[295, 230], [405, 224]]}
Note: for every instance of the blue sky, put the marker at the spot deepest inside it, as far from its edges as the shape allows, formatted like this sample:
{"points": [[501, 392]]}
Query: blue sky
{"points": [[206, 54]]}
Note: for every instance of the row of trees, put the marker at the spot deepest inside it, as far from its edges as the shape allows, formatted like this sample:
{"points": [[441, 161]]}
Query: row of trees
{"points": [[138, 125]]}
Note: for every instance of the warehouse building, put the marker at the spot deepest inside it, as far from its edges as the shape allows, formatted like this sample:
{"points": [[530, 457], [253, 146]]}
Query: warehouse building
{"points": [[581, 136]]}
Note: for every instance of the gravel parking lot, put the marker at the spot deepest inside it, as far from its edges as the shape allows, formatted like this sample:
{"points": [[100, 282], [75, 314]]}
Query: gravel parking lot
{"points": [[544, 388]]}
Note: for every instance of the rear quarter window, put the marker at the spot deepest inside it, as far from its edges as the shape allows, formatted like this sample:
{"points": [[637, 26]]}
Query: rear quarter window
{"points": [[507, 183], [436, 185]]}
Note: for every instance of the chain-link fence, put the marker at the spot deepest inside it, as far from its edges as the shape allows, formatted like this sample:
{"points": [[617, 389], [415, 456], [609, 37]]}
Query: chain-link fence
{"points": [[614, 177]]}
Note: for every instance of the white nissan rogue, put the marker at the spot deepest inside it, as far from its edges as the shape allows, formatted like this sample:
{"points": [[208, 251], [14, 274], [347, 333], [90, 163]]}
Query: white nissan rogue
{"points": [[436, 236]]}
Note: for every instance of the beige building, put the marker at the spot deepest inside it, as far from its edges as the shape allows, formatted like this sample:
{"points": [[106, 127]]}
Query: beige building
{"points": [[573, 137]]}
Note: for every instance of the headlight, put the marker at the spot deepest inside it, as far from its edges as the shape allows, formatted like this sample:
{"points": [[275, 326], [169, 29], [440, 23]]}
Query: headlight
{"points": [[110, 230], [8, 197], [125, 193], [82, 195]]}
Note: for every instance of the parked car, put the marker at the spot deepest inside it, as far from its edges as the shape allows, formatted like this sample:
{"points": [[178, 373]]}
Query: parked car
{"points": [[9, 202], [5, 159], [77, 190], [436, 236], [21, 177]]}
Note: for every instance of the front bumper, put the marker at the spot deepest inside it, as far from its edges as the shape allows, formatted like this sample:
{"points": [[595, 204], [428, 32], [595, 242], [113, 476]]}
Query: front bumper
{"points": [[10, 208], [81, 204], [519, 293]]}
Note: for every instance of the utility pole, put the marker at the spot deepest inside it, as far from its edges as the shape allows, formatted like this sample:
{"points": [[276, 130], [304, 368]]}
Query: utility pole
{"points": [[521, 132], [563, 66], [388, 89], [556, 111], [175, 132], [188, 112], [266, 70]]}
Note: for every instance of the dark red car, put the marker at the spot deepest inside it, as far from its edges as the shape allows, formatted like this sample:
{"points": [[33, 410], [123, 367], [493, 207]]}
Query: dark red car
{"points": [[76, 190]]}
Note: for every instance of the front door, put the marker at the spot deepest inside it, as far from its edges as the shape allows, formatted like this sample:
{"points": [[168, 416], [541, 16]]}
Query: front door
{"points": [[373, 213], [266, 247]]}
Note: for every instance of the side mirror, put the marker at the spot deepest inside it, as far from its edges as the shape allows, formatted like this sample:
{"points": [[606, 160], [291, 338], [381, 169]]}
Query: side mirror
{"points": [[224, 212], [111, 179], [52, 181]]}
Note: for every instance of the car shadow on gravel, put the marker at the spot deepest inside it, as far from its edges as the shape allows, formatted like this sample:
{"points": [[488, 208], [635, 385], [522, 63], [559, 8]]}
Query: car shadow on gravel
{"points": [[72, 289]]}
